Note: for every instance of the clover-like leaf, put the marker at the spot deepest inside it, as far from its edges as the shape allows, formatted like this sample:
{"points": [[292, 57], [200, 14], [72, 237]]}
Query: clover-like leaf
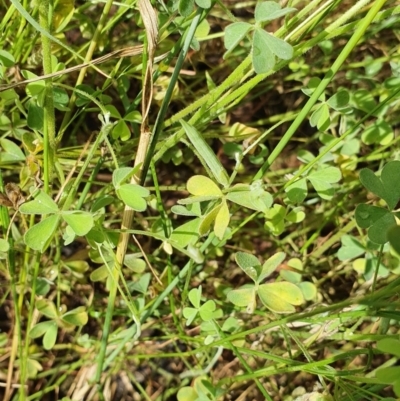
{"points": [[379, 132], [297, 191], [132, 195], [393, 235], [42, 204], [377, 220], [187, 233], [280, 297], [384, 186], [11, 151], [207, 310], [262, 56], [270, 265], [209, 219], [249, 264], [323, 179], [38, 237], [351, 248], [222, 220], [195, 297], [50, 336], [269, 10], [199, 185], [320, 117], [234, 33], [244, 296], [76, 317], [81, 222], [255, 198], [339, 100]]}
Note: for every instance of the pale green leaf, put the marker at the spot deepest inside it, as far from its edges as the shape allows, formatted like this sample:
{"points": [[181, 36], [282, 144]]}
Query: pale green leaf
{"points": [[249, 264], [195, 296], [279, 297], [132, 195], [81, 222], [76, 317], [222, 220], [235, 33], [11, 151], [262, 57], [38, 237], [270, 265], [42, 204], [245, 296], [50, 337], [269, 10], [199, 185]]}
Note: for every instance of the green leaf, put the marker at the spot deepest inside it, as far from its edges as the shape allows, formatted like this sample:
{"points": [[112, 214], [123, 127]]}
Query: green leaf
{"points": [[199, 185], [141, 286], [322, 179], [251, 196], [262, 56], [134, 263], [50, 337], [189, 314], [297, 191], [187, 233], [6, 59], [11, 152], [206, 154], [351, 248], [40, 328], [235, 33], [185, 7], [209, 219], [384, 186], [195, 296], [102, 201], [192, 210], [203, 3], [377, 220], [388, 375], [4, 245], [364, 100], [132, 195], [81, 222], [39, 236], [249, 264], [269, 10], [393, 235], [42, 204], [207, 310], [320, 118], [308, 289], [222, 220], [47, 308], [100, 274], [35, 117], [187, 394], [121, 130], [339, 100], [379, 132], [120, 175], [389, 346], [271, 265], [279, 297], [245, 296], [76, 317]]}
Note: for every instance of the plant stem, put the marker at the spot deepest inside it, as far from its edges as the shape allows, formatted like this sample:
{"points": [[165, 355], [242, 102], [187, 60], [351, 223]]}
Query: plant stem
{"points": [[49, 125]]}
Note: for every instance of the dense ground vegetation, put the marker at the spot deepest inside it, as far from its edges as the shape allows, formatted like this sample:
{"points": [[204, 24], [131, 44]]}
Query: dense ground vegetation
{"points": [[199, 200]]}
